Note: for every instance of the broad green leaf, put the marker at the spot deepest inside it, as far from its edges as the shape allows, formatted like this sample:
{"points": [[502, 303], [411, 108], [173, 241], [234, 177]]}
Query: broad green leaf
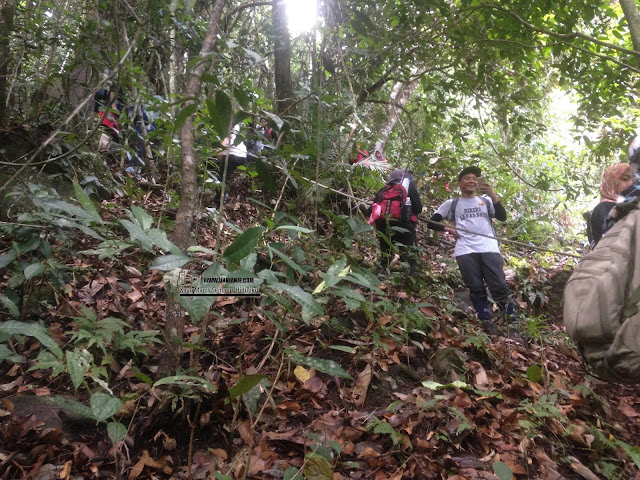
{"points": [[86, 203], [300, 296], [143, 218], [36, 330], [294, 228], [117, 431], [137, 234], [7, 258], [220, 112], [78, 212], [343, 348], [287, 260], [144, 378], [221, 476], [27, 246], [243, 245], [198, 248], [197, 307], [292, 473], [320, 364], [276, 119], [66, 223], [502, 471], [159, 238], [246, 383], [166, 263], [73, 405], [185, 379], [335, 273], [46, 360], [34, 270], [7, 354], [10, 305], [439, 386], [183, 115], [104, 405], [78, 363], [108, 249]]}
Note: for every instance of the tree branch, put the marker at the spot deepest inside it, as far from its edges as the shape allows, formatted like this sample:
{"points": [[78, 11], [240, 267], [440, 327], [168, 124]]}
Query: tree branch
{"points": [[564, 36]]}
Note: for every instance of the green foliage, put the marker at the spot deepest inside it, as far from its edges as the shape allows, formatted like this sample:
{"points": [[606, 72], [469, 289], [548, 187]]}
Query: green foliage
{"points": [[384, 428], [111, 335], [102, 407], [320, 364]]}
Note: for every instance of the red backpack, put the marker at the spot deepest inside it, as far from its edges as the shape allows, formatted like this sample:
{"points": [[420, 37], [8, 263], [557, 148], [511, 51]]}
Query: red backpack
{"points": [[391, 200]]}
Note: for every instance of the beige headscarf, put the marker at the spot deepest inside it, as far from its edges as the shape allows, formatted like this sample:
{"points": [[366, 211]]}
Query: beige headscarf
{"points": [[610, 186]]}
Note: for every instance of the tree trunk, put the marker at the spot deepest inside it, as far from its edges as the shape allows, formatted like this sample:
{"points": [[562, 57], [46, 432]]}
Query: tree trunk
{"points": [[632, 16], [175, 318], [399, 97], [7, 9], [282, 58], [189, 183]]}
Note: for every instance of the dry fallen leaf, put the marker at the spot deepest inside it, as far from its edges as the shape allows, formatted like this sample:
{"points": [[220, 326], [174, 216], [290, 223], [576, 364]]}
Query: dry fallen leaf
{"points": [[361, 386], [301, 373]]}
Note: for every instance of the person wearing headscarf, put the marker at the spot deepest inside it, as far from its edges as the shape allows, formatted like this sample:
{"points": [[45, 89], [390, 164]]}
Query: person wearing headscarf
{"points": [[615, 179]]}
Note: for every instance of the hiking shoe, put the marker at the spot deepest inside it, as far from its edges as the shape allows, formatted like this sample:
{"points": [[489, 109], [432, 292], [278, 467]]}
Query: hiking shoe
{"points": [[490, 327]]}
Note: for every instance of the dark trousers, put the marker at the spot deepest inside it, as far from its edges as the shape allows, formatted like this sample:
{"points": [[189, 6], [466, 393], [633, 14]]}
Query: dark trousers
{"points": [[233, 163], [480, 268], [388, 238]]}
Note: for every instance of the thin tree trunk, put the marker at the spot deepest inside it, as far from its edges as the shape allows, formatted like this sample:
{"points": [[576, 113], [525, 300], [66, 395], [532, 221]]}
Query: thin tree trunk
{"points": [[189, 183], [282, 58], [175, 318], [400, 95], [632, 15], [7, 9]]}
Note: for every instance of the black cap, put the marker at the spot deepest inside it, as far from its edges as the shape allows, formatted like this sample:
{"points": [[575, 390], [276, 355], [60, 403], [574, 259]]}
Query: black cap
{"points": [[475, 170]]}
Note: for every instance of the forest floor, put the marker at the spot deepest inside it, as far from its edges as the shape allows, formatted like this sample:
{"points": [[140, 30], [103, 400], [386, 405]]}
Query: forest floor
{"points": [[430, 394]]}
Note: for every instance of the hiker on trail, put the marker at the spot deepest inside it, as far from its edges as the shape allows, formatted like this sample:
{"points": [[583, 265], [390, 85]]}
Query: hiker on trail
{"points": [[108, 108], [629, 197], [234, 153], [379, 156], [478, 257], [397, 205], [615, 179]]}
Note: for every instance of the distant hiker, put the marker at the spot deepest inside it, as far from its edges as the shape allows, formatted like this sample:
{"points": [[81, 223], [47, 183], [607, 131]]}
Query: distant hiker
{"points": [[234, 153], [268, 132], [108, 108], [395, 215], [478, 257], [616, 178], [360, 155]]}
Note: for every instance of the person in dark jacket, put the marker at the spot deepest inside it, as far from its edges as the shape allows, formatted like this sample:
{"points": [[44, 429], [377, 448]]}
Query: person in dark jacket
{"points": [[388, 236], [478, 256]]}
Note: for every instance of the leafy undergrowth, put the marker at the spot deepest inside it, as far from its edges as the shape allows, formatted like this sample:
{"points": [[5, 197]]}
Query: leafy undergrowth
{"points": [[330, 374]]}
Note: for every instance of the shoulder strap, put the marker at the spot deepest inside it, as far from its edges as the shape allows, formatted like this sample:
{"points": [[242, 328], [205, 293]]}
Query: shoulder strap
{"points": [[452, 210]]}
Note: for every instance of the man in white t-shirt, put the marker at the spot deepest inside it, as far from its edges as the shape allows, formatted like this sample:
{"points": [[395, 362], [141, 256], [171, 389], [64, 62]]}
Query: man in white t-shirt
{"points": [[234, 155], [478, 257]]}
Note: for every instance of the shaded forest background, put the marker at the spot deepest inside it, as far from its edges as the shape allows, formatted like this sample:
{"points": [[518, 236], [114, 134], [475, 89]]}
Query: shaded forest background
{"points": [[332, 372]]}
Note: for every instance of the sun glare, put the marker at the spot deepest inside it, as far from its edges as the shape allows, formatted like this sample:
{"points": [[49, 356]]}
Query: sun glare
{"points": [[302, 15]]}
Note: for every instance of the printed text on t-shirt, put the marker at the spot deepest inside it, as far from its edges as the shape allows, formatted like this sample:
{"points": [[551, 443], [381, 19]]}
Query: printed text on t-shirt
{"points": [[474, 212]]}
